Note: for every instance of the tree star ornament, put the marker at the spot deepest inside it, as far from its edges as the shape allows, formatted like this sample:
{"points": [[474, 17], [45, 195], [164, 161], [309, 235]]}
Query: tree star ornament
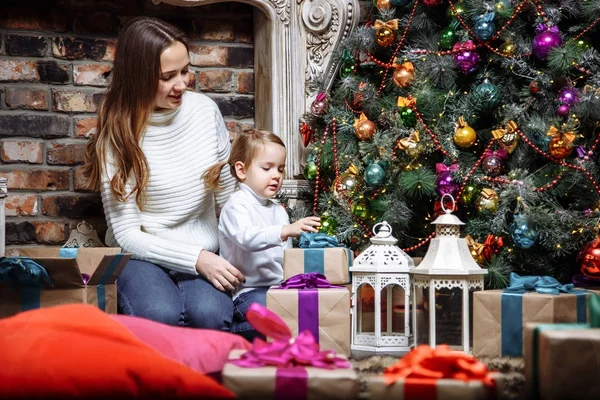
{"points": [[364, 128]]}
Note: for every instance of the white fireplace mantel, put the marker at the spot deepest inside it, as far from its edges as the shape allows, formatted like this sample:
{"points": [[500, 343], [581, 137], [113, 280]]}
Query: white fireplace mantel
{"points": [[294, 41]]}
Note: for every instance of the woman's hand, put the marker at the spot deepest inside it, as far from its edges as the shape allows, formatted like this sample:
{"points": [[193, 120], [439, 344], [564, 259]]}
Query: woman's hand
{"points": [[218, 271], [308, 224]]}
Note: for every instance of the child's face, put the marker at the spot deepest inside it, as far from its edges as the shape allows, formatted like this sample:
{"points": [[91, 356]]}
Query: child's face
{"points": [[265, 175]]}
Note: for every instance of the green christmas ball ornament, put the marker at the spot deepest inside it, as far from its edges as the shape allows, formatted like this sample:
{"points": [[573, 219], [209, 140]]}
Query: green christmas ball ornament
{"points": [[328, 225], [447, 39], [582, 45], [360, 208], [470, 194], [310, 170], [346, 64], [408, 117], [374, 175], [488, 95]]}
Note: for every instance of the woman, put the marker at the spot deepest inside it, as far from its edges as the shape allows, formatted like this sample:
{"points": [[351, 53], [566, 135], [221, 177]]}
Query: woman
{"points": [[153, 143]]}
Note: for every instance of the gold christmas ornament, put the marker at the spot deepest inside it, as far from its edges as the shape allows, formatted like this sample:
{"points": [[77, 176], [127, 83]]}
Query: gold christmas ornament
{"points": [[508, 136], [410, 144], [464, 135], [385, 32], [346, 184], [508, 48], [561, 144], [476, 249], [364, 128], [487, 201], [404, 75], [384, 4]]}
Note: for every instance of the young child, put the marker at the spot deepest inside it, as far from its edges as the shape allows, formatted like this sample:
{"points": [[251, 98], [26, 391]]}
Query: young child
{"points": [[254, 230]]}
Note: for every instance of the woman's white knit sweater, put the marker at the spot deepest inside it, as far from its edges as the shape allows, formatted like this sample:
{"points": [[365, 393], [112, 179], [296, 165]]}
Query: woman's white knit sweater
{"points": [[179, 218]]}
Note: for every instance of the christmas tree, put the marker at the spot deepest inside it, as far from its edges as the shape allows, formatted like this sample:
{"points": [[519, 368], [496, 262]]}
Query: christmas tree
{"points": [[496, 103]]}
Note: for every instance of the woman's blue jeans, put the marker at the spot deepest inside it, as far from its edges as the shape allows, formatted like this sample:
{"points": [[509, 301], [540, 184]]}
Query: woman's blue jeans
{"points": [[174, 298]]}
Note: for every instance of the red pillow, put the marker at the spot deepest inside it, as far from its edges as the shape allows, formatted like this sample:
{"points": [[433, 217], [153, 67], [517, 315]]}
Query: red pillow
{"points": [[203, 350], [78, 351]]}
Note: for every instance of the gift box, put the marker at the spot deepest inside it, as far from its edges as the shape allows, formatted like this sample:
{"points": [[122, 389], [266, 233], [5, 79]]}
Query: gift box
{"points": [[49, 276], [562, 361], [309, 302], [333, 262], [271, 382], [287, 367], [500, 315], [432, 374]]}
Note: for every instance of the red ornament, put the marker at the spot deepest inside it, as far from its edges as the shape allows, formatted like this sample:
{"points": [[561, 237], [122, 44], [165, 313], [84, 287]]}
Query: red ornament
{"points": [[492, 246], [308, 134], [320, 105], [438, 210], [590, 259], [534, 87], [433, 3]]}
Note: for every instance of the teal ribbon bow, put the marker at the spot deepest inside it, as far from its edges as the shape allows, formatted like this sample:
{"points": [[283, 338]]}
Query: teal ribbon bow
{"points": [[317, 241], [28, 276], [541, 284]]}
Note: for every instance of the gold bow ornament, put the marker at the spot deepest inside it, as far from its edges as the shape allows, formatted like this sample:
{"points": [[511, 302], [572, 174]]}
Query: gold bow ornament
{"points": [[508, 136]]}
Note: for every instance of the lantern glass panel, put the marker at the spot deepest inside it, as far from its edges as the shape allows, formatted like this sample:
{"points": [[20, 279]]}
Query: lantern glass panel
{"points": [[365, 309]]}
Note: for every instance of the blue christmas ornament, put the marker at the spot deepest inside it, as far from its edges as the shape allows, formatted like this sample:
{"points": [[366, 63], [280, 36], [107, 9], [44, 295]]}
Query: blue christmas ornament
{"points": [[374, 175], [484, 27], [523, 231], [488, 94]]}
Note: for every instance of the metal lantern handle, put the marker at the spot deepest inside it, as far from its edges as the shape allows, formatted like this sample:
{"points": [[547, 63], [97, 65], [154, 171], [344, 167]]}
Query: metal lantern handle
{"points": [[453, 203], [384, 234]]}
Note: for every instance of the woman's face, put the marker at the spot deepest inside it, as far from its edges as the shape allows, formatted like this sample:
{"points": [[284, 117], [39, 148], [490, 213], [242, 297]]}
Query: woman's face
{"points": [[174, 77]]}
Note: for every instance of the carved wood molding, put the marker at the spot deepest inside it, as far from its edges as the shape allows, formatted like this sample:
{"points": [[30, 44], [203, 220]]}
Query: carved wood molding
{"points": [[294, 41]]}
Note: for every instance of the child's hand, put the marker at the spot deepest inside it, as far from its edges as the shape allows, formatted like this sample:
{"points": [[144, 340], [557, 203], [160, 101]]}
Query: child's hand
{"points": [[308, 224]]}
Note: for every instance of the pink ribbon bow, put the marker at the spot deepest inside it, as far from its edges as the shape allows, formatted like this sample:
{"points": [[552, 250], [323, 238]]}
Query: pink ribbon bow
{"points": [[439, 168], [500, 153], [284, 351]]}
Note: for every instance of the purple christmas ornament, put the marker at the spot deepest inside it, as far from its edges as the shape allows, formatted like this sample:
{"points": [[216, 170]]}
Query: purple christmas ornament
{"points": [[465, 56], [563, 110], [445, 184], [568, 96], [546, 39]]}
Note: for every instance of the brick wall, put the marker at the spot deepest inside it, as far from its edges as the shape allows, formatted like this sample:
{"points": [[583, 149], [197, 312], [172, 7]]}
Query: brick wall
{"points": [[55, 59]]}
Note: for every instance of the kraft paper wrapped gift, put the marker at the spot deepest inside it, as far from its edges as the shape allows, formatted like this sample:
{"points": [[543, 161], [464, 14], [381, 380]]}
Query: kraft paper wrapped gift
{"points": [[410, 378], [270, 382], [333, 262], [83, 275], [499, 316], [316, 306], [562, 361], [288, 366]]}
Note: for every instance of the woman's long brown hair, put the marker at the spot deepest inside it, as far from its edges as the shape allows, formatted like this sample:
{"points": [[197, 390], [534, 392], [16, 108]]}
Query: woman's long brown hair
{"points": [[127, 105]]}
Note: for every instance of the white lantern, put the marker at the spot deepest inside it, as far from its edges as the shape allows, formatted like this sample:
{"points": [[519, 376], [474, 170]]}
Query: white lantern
{"points": [[382, 266], [448, 264]]}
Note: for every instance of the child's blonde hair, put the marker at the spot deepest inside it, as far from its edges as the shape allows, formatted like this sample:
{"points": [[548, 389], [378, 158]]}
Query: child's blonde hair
{"points": [[244, 148]]}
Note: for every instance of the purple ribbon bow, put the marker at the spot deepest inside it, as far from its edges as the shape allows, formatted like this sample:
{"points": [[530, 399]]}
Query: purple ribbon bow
{"points": [[543, 28], [311, 280]]}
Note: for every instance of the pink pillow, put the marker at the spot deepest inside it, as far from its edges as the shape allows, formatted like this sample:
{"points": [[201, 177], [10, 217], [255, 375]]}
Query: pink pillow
{"points": [[203, 350]]}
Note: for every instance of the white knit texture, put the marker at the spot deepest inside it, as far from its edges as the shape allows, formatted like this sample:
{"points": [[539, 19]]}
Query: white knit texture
{"points": [[179, 218]]}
